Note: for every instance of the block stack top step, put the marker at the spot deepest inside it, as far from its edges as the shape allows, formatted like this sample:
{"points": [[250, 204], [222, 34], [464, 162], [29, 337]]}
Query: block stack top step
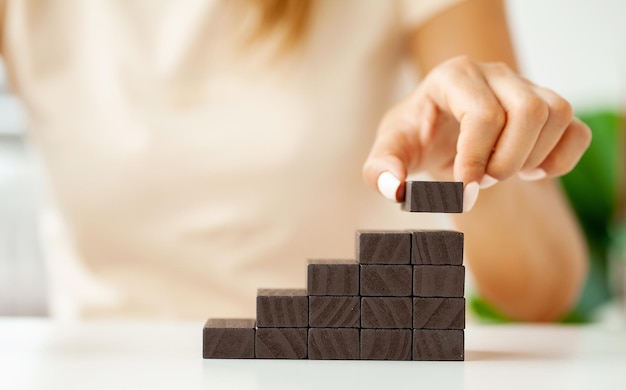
{"points": [[437, 247], [383, 247]]}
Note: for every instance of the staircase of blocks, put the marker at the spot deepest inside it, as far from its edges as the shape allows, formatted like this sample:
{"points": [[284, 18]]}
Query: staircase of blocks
{"points": [[401, 299]]}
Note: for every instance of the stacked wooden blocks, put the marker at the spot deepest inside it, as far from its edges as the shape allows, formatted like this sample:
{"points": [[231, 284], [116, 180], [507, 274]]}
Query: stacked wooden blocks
{"points": [[401, 300]]}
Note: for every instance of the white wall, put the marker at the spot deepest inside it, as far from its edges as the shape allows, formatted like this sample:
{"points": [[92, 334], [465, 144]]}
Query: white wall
{"points": [[575, 47]]}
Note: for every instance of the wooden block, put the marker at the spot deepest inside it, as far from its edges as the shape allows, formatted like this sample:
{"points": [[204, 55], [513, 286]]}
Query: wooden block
{"points": [[383, 247], [439, 313], [228, 339], [386, 312], [282, 308], [437, 247], [438, 344], [386, 344], [332, 277], [334, 312], [281, 343], [332, 344], [386, 280], [438, 281], [433, 197]]}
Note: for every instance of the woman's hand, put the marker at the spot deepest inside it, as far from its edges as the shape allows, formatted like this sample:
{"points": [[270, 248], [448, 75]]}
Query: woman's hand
{"points": [[478, 123]]}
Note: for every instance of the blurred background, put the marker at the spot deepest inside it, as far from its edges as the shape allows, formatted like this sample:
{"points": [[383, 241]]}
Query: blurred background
{"points": [[575, 47], [22, 274]]}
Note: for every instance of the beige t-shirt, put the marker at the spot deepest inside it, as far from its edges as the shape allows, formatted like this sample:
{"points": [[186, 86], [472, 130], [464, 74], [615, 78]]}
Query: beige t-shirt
{"points": [[186, 173]]}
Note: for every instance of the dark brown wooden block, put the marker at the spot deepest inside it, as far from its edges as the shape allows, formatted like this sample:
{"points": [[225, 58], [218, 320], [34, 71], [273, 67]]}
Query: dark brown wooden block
{"points": [[386, 344], [282, 308], [438, 344], [386, 312], [334, 312], [437, 247], [438, 280], [332, 277], [383, 247], [332, 344], [386, 280], [439, 313], [228, 339], [433, 197], [281, 343]]}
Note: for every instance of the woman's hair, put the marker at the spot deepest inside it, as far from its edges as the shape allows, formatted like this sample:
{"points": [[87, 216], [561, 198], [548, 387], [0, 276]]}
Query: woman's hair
{"points": [[289, 19]]}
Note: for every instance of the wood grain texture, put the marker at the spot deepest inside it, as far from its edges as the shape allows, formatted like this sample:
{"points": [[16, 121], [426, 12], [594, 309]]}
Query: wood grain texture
{"points": [[228, 339], [383, 247], [281, 343], [438, 281], [332, 344], [386, 280], [386, 344], [332, 277], [433, 197], [334, 312], [278, 308], [439, 313], [437, 247], [438, 344], [386, 312]]}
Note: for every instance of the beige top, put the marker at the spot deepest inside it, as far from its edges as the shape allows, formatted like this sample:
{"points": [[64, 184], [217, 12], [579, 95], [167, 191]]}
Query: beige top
{"points": [[185, 173]]}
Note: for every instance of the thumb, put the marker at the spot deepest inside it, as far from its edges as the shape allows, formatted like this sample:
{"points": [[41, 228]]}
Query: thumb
{"points": [[397, 148]]}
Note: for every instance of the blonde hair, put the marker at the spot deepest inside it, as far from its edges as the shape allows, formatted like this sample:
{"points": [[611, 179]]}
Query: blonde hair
{"points": [[289, 19]]}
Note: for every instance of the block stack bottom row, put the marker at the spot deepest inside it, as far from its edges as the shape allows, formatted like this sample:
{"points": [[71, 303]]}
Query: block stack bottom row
{"points": [[401, 300]]}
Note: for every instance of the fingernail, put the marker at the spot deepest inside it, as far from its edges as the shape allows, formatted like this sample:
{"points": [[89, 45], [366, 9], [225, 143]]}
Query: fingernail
{"points": [[470, 195], [388, 185], [532, 175], [487, 181]]}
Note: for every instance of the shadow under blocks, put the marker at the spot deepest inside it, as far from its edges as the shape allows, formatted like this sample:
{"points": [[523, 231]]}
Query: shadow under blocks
{"points": [[401, 299]]}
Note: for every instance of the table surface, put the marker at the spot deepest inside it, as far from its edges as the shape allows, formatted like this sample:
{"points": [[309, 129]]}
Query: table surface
{"points": [[41, 354]]}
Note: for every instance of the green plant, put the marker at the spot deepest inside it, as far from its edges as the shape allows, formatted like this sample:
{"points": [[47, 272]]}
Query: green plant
{"points": [[593, 188]]}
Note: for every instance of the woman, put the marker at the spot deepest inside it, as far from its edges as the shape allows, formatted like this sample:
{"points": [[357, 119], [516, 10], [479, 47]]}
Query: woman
{"points": [[197, 151]]}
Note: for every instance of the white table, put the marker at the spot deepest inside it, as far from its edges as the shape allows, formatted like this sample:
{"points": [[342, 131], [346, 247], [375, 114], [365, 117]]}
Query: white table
{"points": [[39, 354]]}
